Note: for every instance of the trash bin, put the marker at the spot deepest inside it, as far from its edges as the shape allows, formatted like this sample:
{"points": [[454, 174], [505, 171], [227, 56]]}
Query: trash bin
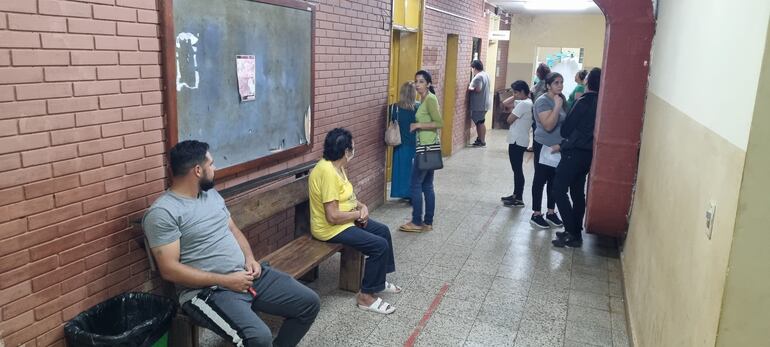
{"points": [[127, 320]]}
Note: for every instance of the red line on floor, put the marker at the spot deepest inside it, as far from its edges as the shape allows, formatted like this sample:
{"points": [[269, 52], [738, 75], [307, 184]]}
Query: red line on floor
{"points": [[426, 317], [489, 221]]}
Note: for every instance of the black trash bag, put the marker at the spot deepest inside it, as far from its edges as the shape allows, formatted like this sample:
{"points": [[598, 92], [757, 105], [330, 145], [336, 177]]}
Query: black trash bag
{"points": [[127, 320]]}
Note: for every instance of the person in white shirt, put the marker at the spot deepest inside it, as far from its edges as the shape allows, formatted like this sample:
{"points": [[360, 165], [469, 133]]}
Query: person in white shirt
{"points": [[518, 138]]}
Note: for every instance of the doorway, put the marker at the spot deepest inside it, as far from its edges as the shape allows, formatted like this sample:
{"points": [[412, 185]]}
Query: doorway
{"points": [[450, 92]]}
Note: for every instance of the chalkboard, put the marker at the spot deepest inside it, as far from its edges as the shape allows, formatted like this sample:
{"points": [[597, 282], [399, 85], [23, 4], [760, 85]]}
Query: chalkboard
{"points": [[206, 37]]}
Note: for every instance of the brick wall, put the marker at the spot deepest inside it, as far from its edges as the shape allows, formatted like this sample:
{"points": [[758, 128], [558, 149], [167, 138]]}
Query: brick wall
{"points": [[437, 26], [81, 145]]}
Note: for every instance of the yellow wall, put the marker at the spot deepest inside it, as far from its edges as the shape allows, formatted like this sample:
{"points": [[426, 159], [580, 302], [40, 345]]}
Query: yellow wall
{"points": [[696, 130], [530, 32]]}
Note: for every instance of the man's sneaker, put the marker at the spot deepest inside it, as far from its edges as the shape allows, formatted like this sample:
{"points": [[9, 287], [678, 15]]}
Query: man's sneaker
{"points": [[479, 144], [513, 203], [509, 197], [539, 222], [567, 242], [553, 219]]}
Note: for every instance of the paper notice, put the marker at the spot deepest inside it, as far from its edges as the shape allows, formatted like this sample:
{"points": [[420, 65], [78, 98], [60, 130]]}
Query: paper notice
{"points": [[246, 77]]}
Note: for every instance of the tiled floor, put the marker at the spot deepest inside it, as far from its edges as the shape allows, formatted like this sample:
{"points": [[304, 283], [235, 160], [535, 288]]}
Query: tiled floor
{"points": [[491, 278]]}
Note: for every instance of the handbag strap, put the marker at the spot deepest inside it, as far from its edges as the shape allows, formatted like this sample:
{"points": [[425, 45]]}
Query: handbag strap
{"points": [[393, 113]]}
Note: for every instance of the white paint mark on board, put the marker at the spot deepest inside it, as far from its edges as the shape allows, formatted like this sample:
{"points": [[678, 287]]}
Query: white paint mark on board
{"points": [[186, 75]]}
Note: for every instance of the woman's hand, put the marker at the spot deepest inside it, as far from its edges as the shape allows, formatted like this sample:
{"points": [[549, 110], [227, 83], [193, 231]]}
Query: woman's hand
{"points": [[364, 213], [558, 102], [413, 127], [555, 148]]}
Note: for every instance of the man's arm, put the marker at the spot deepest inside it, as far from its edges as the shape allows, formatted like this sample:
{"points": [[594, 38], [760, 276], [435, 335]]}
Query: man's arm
{"points": [[167, 258]]}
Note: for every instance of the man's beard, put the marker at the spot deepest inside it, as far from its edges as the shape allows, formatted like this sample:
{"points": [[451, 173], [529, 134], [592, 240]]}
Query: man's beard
{"points": [[205, 184]]}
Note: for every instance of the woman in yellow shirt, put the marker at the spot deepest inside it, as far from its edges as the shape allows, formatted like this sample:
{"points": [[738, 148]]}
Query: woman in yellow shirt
{"points": [[337, 216]]}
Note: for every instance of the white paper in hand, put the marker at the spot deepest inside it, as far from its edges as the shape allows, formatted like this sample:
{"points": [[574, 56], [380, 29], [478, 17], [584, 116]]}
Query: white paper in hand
{"points": [[547, 157]]}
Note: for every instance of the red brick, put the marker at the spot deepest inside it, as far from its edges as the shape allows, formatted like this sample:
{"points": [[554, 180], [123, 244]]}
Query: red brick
{"points": [[144, 164], [76, 165], [87, 276], [104, 201], [21, 274], [142, 112], [148, 16], [156, 173], [10, 162], [18, 39], [151, 98], [6, 94], [11, 326], [89, 26], [146, 189], [102, 174], [64, 8], [96, 88], [153, 124], [9, 196], [5, 56], [52, 306], [99, 146], [124, 155], [46, 280], [53, 338], [56, 246], [29, 302], [81, 223], [21, 75], [109, 280], [125, 209], [22, 109], [27, 240], [22, 142], [106, 229], [114, 13], [124, 182], [11, 229], [16, 292], [137, 29], [43, 91], [54, 216], [12, 261], [48, 155], [101, 257], [139, 58], [151, 71], [38, 57], [131, 86], [46, 123], [72, 105], [67, 41], [26, 22], [26, 336], [143, 138], [35, 190], [152, 44], [94, 58], [120, 100], [9, 127], [82, 73], [79, 194], [28, 6], [117, 72], [122, 128], [126, 260], [3, 23], [117, 43], [146, 4], [92, 300]]}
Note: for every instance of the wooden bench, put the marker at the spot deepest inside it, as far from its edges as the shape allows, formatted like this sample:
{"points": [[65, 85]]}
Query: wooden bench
{"points": [[299, 258]]}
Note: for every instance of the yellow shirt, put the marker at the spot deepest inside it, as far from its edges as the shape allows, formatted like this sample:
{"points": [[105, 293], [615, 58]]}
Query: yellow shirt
{"points": [[327, 185]]}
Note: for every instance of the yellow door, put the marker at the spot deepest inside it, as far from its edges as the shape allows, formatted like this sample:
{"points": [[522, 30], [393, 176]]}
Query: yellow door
{"points": [[450, 93]]}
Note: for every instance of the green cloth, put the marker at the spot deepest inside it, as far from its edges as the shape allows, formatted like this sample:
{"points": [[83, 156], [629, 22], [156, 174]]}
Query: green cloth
{"points": [[426, 113], [571, 101]]}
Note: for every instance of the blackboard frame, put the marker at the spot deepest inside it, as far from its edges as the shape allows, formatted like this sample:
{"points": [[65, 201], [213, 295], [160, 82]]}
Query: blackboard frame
{"points": [[169, 80]]}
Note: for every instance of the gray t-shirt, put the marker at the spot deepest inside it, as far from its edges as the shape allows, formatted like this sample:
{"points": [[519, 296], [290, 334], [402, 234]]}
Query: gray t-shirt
{"points": [[548, 138], [480, 98], [202, 227]]}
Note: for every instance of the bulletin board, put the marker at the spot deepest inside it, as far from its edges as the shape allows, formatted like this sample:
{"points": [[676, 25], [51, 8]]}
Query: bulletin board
{"points": [[239, 76]]}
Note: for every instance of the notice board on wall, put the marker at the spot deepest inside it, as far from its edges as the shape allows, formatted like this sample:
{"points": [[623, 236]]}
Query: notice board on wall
{"points": [[239, 76]]}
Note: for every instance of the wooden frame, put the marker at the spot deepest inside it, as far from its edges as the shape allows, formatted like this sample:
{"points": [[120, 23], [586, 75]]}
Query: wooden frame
{"points": [[169, 76]]}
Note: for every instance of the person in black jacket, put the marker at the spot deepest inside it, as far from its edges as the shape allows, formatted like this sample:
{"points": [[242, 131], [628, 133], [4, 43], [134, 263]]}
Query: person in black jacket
{"points": [[576, 155]]}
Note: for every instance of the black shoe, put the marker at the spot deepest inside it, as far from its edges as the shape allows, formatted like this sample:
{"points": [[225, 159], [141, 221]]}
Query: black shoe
{"points": [[561, 235], [513, 203], [509, 197], [553, 219], [539, 222], [479, 144], [567, 242]]}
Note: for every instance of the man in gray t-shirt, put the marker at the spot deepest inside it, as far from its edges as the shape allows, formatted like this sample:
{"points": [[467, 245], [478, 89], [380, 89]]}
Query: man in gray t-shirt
{"points": [[480, 100], [198, 247]]}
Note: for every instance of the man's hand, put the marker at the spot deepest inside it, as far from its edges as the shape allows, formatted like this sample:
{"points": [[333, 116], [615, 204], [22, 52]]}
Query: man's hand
{"points": [[238, 281], [364, 213], [253, 268]]}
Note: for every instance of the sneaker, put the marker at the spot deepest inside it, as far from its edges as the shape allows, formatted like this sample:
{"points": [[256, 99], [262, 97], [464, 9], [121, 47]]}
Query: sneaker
{"points": [[513, 203], [561, 235], [553, 219], [509, 197], [479, 144], [539, 222], [567, 242]]}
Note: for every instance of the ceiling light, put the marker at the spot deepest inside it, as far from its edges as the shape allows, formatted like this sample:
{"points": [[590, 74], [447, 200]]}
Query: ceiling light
{"points": [[561, 5]]}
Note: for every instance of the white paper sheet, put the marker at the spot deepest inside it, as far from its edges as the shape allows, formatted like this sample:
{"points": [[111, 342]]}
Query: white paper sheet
{"points": [[547, 157]]}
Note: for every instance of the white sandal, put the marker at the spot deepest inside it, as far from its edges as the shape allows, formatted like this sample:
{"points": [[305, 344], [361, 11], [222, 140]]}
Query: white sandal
{"points": [[378, 306], [391, 288]]}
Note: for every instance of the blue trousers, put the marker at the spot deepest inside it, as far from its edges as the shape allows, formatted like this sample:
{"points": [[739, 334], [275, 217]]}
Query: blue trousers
{"points": [[375, 243], [422, 184]]}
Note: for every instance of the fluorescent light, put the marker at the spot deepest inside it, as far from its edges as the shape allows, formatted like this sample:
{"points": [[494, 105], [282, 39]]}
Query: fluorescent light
{"points": [[560, 5]]}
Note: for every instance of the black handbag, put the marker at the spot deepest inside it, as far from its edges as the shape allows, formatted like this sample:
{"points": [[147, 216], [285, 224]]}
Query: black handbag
{"points": [[428, 157]]}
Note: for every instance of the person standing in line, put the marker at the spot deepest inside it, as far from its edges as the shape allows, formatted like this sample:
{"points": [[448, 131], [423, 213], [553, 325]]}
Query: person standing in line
{"points": [[549, 115], [480, 101], [576, 156], [539, 89], [403, 112], [518, 138], [427, 122], [580, 88]]}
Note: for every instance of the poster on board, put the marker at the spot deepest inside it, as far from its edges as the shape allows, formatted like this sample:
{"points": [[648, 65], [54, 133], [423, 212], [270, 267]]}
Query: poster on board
{"points": [[246, 73]]}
